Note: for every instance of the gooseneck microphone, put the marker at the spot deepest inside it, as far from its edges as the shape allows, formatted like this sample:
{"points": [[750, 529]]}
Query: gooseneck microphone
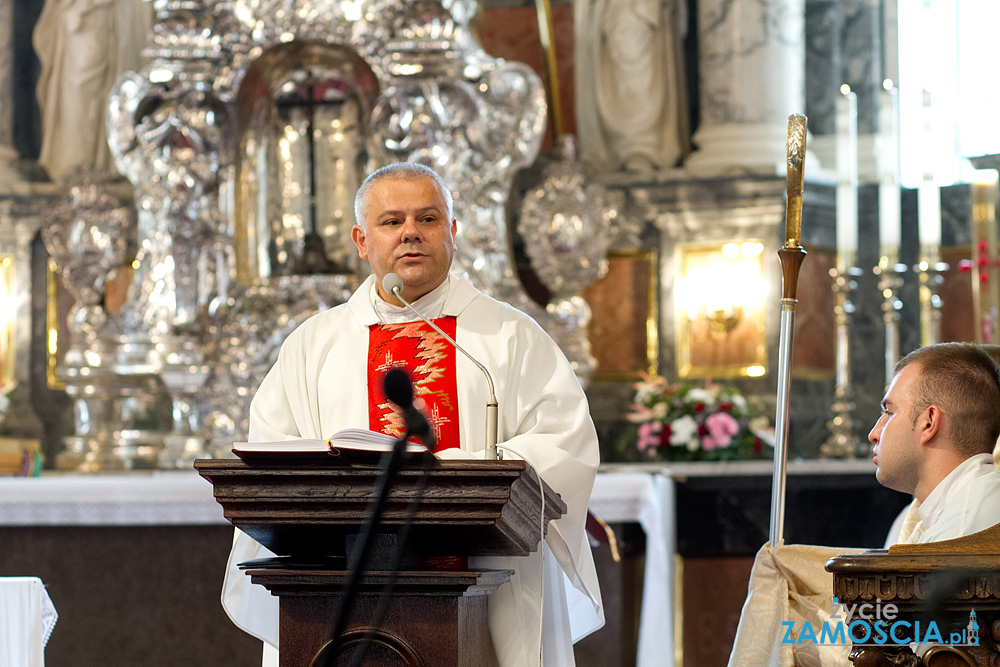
{"points": [[393, 284], [399, 389]]}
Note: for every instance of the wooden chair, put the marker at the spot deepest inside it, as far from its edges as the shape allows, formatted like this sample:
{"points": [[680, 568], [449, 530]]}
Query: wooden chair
{"points": [[953, 583]]}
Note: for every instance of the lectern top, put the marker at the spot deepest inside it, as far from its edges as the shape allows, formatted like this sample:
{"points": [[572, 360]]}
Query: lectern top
{"points": [[299, 506]]}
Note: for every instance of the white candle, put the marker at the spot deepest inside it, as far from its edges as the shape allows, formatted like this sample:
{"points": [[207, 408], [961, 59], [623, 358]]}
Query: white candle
{"points": [[887, 159], [929, 194], [847, 177]]}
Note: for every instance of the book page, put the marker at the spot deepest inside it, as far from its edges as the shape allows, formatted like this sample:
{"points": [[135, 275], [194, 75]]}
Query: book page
{"points": [[341, 442]]}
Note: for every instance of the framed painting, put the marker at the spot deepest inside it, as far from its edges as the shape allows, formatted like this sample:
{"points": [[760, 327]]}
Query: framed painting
{"points": [[623, 331]]}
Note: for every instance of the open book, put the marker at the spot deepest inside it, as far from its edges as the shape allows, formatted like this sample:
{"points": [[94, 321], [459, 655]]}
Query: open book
{"points": [[341, 443]]}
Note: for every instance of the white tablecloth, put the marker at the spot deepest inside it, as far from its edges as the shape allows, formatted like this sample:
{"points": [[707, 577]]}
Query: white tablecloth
{"points": [[648, 499], [27, 618], [164, 498]]}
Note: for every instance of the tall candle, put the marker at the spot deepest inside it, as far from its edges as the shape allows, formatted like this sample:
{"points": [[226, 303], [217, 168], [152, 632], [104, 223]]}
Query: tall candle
{"points": [[847, 177], [887, 161], [929, 194]]}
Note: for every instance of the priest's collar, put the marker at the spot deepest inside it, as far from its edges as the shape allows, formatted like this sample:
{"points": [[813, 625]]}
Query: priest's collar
{"points": [[430, 305]]}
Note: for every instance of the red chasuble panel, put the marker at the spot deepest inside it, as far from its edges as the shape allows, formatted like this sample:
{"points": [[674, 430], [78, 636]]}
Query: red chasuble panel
{"points": [[430, 361]]}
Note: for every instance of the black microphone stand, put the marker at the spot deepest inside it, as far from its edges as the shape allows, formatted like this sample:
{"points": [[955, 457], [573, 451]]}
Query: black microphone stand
{"points": [[401, 534], [390, 465]]}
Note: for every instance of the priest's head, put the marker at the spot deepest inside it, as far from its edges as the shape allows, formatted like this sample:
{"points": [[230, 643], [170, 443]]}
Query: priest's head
{"points": [[942, 406], [405, 225]]}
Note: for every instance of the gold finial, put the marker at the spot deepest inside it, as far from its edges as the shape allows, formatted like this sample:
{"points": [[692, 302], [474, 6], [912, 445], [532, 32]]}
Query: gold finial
{"points": [[796, 162]]}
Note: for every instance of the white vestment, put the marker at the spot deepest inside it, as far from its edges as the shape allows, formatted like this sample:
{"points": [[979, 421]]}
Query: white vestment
{"points": [[318, 386], [964, 502]]}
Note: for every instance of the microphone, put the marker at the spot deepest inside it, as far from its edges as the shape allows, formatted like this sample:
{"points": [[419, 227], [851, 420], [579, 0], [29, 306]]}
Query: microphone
{"points": [[393, 284], [399, 389]]}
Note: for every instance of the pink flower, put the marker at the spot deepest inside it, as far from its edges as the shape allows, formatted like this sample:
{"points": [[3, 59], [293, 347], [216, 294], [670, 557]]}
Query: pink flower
{"points": [[721, 429], [649, 435]]}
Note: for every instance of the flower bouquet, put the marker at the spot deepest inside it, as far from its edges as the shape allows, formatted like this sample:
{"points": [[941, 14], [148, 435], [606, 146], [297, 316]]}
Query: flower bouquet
{"points": [[684, 422]]}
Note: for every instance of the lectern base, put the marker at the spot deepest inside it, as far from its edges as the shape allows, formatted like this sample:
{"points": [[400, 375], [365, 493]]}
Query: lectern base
{"points": [[435, 619]]}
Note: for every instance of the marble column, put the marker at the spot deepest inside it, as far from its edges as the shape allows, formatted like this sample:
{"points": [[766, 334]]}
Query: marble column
{"points": [[752, 76], [824, 62], [7, 152], [844, 45]]}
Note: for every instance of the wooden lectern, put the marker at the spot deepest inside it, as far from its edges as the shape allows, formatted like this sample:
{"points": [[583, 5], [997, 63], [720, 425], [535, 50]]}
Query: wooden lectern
{"points": [[310, 510], [953, 583]]}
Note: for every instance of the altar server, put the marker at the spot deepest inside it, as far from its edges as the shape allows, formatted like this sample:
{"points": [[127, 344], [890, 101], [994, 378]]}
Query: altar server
{"points": [[935, 439]]}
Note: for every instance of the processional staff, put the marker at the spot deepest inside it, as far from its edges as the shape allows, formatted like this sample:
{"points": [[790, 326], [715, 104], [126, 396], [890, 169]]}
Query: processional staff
{"points": [[791, 255]]}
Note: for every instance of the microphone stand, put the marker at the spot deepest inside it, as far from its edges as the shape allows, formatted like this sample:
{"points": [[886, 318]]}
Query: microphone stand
{"points": [[389, 465], [492, 409], [397, 556]]}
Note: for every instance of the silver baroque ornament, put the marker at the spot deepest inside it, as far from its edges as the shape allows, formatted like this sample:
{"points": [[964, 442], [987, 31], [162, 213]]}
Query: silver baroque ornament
{"points": [[91, 239], [564, 223]]}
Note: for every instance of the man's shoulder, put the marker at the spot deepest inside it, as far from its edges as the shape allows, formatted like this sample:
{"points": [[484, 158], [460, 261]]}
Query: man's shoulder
{"points": [[990, 476], [323, 323], [496, 310]]}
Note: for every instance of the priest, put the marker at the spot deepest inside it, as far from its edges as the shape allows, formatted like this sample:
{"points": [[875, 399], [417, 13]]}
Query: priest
{"points": [[327, 377]]}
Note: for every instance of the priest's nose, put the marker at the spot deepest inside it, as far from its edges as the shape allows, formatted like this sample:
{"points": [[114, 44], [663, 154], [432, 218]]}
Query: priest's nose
{"points": [[410, 232]]}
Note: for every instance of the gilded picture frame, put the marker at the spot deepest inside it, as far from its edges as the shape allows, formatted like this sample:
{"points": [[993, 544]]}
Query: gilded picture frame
{"points": [[624, 325]]}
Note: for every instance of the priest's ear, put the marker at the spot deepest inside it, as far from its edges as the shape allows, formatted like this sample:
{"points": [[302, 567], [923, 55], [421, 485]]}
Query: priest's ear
{"points": [[360, 241]]}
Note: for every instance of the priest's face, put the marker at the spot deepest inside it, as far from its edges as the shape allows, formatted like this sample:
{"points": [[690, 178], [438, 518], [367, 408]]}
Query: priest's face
{"points": [[896, 434], [407, 232]]}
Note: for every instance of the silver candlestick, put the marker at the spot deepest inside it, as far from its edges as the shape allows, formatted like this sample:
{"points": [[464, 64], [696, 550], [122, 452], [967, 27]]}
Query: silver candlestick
{"points": [[930, 272], [842, 442], [890, 273]]}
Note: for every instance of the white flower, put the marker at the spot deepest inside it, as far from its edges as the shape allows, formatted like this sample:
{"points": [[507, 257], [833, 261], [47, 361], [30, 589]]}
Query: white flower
{"points": [[683, 431], [4, 403], [739, 402], [761, 427], [644, 391], [660, 411], [698, 395]]}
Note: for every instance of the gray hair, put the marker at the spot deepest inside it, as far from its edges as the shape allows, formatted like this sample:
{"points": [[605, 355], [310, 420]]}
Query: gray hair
{"points": [[397, 171]]}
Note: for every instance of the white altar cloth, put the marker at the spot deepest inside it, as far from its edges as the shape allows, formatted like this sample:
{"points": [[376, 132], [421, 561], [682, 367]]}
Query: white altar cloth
{"points": [[161, 498], [649, 500], [27, 618]]}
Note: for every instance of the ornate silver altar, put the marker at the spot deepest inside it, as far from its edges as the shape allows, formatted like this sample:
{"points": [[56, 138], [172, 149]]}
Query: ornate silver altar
{"points": [[245, 138]]}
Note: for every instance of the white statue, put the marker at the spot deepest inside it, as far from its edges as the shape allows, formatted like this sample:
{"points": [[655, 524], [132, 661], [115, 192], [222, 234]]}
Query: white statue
{"points": [[631, 105], [84, 46]]}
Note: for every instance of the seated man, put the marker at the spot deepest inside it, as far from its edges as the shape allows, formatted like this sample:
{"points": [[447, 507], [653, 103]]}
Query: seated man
{"points": [[328, 376], [935, 440]]}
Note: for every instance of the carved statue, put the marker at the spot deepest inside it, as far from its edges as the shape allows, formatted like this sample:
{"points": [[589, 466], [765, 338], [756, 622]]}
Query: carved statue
{"points": [[630, 103], [83, 47]]}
